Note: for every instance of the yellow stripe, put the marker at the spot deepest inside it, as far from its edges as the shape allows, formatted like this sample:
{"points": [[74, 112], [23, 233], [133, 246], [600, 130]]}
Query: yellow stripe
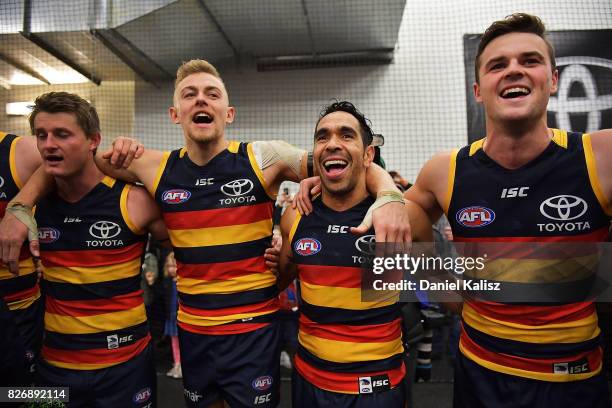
{"points": [[551, 377], [124, 211], [196, 320], [233, 146], [560, 137], [182, 152], [108, 181], [95, 324], [160, 171], [13, 163], [238, 284], [23, 303], [342, 298], [2, 136], [593, 178], [258, 172], [26, 267], [83, 274], [231, 234], [568, 332], [476, 146], [537, 270], [294, 226], [349, 352], [452, 166], [79, 366]]}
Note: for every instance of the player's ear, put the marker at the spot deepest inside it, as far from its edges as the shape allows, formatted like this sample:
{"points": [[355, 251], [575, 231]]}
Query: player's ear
{"points": [[368, 156]]}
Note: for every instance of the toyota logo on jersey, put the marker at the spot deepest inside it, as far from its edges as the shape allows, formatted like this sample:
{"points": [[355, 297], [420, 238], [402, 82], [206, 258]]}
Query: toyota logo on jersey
{"points": [[563, 207], [237, 188], [104, 230]]}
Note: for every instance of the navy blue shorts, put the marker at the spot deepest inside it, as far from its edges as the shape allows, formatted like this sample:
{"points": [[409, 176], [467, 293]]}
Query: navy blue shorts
{"points": [[14, 369], [125, 385], [306, 395], [30, 326], [242, 369], [478, 387]]}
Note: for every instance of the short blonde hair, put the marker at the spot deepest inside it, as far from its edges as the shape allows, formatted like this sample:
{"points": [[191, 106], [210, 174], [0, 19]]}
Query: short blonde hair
{"points": [[193, 67]]}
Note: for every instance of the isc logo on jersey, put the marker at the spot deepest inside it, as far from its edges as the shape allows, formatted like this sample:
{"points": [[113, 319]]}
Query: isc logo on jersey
{"points": [[307, 246], [475, 216], [48, 235], [175, 196]]}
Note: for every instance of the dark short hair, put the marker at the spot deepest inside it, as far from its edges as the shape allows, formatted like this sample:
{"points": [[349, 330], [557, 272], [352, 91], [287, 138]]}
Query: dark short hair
{"points": [[344, 106], [64, 102], [514, 23]]}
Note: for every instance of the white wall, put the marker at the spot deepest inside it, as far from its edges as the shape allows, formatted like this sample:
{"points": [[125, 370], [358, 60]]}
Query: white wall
{"points": [[418, 102]]}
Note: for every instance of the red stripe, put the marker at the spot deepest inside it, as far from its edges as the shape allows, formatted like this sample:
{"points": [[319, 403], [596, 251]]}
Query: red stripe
{"points": [[224, 329], [96, 356], [21, 295], [222, 270], [597, 235], [560, 251], [270, 306], [3, 205], [543, 365], [333, 276], [220, 217], [92, 257], [93, 307], [374, 333], [534, 315], [343, 382]]}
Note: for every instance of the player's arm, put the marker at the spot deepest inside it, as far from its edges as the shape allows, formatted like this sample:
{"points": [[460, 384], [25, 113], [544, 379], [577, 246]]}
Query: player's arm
{"points": [[430, 189], [391, 223], [18, 218], [287, 270], [144, 213], [124, 161], [280, 161], [27, 158], [601, 147], [419, 222]]}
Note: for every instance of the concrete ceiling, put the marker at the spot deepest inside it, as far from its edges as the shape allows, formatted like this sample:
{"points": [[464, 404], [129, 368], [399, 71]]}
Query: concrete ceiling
{"points": [[109, 40]]}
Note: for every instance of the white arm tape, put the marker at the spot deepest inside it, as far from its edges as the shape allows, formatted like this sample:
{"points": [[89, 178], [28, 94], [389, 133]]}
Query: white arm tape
{"points": [[270, 152]]}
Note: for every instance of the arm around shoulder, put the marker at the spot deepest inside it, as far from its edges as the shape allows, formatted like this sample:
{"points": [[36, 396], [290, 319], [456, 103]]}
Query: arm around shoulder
{"points": [[143, 169]]}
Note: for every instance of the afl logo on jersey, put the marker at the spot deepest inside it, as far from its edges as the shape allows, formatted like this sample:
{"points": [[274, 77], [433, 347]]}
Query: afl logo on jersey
{"points": [[47, 235], [475, 216], [175, 196], [307, 246]]}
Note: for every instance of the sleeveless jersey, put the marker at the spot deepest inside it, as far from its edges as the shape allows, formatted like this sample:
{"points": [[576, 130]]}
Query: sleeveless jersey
{"points": [[219, 218], [555, 198], [19, 292], [92, 256], [345, 345]]}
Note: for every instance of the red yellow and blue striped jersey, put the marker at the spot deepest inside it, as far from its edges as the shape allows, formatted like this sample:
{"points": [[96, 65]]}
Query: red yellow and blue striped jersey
{"points": [[342, 339], [219, 219], [19, 292], [556, 198], [92, 255]]}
